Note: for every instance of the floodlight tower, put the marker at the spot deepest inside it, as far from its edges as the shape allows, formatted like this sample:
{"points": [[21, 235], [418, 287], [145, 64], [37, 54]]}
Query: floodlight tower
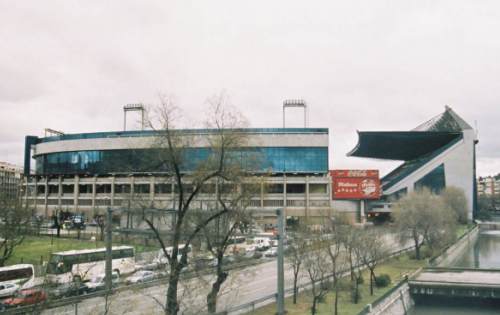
{"points": [[133, 108], [295, 103]]}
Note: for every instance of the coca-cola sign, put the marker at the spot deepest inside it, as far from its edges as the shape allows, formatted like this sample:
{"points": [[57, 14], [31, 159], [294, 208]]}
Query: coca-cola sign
{"points": [[355, 184]]}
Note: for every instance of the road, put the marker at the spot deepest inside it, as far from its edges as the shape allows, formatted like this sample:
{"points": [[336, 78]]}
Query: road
{"points": [[242, 286]]}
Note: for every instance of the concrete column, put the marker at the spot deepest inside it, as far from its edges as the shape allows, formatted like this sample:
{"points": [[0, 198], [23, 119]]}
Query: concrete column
{"points": [[59, 191], [284, 192], [306, 208], [36, 192], [362, 216], [262, 193], [46, 197], [94, 191], [113, 190], [152, 188], [76, 192]]}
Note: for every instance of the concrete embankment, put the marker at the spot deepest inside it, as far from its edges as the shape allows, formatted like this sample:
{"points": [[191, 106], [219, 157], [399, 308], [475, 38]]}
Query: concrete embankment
{"points": [[453, 252], [398, 301]]}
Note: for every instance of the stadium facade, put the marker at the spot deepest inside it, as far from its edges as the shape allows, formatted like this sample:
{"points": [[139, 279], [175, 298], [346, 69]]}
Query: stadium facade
{"points": [[88, 172]]}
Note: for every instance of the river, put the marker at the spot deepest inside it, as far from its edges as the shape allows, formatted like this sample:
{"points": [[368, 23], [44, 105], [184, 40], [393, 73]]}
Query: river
{"points": [[485, 253]]}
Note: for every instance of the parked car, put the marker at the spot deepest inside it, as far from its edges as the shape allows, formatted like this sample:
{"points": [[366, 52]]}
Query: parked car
{"points": [[8, 290], [70, 289], [23, 298], [272, 252], [141, 276], [99, 282]]}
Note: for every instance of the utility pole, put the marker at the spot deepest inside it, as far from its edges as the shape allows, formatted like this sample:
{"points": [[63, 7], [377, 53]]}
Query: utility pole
{"points": [[281, 272], [109, 252]]}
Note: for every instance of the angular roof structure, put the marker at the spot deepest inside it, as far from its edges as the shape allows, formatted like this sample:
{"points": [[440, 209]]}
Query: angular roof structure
{"points": [[415, 147]]}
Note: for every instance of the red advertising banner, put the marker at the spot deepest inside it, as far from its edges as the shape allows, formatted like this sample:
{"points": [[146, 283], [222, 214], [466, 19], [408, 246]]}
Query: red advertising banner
{"points": [[355, 184]]}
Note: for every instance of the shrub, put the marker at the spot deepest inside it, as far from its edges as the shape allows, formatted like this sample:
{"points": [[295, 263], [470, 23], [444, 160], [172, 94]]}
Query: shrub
{"points": [[382, 280]]}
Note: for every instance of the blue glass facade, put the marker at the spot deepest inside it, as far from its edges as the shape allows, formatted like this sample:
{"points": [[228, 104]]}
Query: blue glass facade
{"points": [[256, 160], [435, 180]]}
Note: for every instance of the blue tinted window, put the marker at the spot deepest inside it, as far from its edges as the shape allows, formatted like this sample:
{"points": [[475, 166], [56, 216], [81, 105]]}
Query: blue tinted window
{"points": [[259, 160]]}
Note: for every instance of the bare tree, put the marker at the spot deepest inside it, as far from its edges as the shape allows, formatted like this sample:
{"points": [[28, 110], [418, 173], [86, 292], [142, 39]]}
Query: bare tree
{"points": [[296, 252], [222, 162], [317, 267], [218, 233], [334, 245], [370, 250], [14, 226]]}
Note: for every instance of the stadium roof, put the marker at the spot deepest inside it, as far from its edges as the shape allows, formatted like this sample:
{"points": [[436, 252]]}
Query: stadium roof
{"points": [[409, 145], [400, 145]]}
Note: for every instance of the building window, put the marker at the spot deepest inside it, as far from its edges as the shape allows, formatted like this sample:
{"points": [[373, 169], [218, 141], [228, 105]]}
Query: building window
{"points": [[68, 189], [187, 188], [208, 189], [295, 188], [274, 188], [318, 188], [53, 189], [163, 188], [103, 188], [40, 189], [141, 188], [122, 188], [85, 188]]}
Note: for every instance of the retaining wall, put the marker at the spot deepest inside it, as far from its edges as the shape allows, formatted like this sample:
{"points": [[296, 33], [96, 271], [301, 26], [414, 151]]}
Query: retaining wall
{"points": [[453, 252]]}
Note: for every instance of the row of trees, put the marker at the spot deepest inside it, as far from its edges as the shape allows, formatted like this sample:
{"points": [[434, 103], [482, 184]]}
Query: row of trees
{"points": [[324, 253]]}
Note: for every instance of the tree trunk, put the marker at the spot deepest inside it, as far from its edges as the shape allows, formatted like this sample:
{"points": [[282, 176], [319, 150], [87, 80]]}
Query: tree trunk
{"points": [[313, 308], [212, 296], [172, 306], [372, 276], [417, 249], [295, 289], [336, 304]]}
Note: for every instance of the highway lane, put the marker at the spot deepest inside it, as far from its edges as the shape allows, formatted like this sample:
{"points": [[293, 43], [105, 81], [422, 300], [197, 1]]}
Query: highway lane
{"points": [[242, 286]]}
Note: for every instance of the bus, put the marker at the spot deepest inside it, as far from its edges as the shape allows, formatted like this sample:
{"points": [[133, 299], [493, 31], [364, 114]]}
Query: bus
{"points": [[22, 275], [83, 265]]}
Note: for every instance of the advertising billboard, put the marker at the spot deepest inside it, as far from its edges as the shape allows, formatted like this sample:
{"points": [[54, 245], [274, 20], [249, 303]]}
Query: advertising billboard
{"points": [[355, 184]]}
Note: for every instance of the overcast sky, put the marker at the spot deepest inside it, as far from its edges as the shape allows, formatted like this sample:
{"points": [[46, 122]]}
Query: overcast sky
{"points": [[360, 65]]}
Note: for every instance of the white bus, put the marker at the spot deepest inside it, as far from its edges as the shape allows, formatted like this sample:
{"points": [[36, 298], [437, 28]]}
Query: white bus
{"points": [[22, 275], [87, 264]]}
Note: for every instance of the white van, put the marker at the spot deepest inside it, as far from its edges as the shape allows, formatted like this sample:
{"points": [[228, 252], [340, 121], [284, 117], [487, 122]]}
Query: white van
{"points": [[262, 243]]}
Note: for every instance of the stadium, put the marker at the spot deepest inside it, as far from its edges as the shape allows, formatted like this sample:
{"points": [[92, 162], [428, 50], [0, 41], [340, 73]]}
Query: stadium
{"points": [[86, 173]]}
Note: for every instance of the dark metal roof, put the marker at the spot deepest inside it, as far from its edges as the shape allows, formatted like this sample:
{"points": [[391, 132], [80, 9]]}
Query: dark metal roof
{"points": [[400, 145]]}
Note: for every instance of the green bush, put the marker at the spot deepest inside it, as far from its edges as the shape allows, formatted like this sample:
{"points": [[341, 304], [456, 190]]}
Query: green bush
{"points": [[382, 280]]}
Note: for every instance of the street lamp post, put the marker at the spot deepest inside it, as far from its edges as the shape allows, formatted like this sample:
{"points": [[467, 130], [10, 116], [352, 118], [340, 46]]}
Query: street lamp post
{"points": [[109, 253], [281, 272]]}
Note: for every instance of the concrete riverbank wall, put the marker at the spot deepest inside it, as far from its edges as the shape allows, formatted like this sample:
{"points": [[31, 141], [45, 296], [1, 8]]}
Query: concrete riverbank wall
{"points": [[453, 252]]}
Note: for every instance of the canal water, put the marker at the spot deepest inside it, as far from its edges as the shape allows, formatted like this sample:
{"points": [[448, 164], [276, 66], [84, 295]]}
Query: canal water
{"points": [[484, 253]]}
